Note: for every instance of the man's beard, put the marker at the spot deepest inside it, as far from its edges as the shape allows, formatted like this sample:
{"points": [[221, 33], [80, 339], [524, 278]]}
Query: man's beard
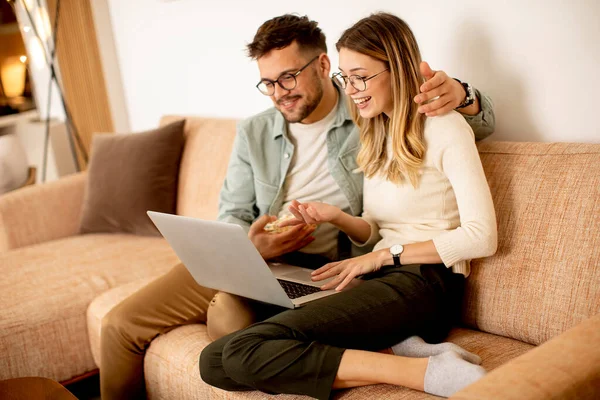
{"points": [[305, 110]]}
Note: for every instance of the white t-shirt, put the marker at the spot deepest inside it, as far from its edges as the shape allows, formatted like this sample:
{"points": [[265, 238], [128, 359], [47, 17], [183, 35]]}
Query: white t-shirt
{"points": [[309, 179]]}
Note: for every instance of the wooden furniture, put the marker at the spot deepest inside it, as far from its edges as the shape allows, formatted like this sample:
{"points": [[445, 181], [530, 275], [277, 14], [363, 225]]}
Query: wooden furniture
{"points": [[31, 177], [33, 388]]}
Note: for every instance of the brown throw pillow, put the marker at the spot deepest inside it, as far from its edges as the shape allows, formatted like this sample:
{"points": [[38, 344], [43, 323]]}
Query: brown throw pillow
{"points": [[129, 174]]}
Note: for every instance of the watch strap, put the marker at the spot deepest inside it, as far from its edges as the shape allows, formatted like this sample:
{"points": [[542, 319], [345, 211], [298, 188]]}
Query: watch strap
{"points": [[470, 95]]}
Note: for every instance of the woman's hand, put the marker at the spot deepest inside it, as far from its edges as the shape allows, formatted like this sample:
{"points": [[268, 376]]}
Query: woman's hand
{"points": [[311, 213], [348, 269]]}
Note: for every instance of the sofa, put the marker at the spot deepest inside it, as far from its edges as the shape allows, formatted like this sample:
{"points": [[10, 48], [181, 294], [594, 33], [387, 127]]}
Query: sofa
{"points": [[531, 311]]}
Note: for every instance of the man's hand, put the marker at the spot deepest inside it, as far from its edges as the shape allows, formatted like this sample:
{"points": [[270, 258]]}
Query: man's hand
{"points": [[311, 213], [271, 245], [447, 92]]}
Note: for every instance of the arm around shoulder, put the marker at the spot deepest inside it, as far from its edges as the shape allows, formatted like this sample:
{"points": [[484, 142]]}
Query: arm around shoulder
{"points": [[484, 122]]}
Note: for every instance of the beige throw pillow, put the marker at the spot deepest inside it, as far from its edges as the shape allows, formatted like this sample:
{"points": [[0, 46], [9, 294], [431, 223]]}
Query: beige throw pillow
{"points": [[129, 174]]}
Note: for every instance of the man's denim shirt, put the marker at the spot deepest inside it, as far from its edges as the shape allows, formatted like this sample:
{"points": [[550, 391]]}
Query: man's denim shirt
{"points": [[262, 152], [261, 156]]}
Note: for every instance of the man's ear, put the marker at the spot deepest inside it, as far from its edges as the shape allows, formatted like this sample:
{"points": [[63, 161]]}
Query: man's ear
{"points": [[324, 65]]}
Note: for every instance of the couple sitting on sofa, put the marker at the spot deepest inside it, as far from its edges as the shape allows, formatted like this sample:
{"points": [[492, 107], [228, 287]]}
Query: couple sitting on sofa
{"points": [[426, 206]]}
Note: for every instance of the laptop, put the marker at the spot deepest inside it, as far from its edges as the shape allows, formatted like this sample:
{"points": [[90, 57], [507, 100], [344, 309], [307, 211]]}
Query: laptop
{"points": [[220, 256]]}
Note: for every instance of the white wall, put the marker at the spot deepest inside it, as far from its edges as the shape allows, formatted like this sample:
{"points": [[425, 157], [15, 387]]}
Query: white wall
{"points": [[538, 60]]}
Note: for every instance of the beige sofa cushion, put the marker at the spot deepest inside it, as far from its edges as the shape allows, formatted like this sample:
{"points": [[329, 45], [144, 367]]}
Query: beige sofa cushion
{"points": [[208, 144], [45, 290], [545, 277], [24, 216], [171, 367]]}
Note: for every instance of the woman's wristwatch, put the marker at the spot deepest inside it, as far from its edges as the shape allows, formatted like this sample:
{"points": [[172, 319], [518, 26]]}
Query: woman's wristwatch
{"points": [[470, 94], [395, 251]]}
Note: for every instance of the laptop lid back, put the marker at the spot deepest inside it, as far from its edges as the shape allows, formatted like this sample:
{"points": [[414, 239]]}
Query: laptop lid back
{"points": [[220, 256]]}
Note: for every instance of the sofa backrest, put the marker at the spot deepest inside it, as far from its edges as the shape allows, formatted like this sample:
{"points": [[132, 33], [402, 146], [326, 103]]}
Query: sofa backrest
{"points": [[208, 144], [545, 276]]}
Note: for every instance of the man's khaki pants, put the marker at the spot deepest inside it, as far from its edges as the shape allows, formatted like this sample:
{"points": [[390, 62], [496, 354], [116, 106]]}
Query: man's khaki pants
{"points": [[173, 300]]}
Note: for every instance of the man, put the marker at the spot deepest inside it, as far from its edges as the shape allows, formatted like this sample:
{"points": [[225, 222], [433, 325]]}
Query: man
{"points": [[304, 148]]}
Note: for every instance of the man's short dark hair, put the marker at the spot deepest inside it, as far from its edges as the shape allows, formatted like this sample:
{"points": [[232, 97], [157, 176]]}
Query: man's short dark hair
{"points": [[280, 32]]}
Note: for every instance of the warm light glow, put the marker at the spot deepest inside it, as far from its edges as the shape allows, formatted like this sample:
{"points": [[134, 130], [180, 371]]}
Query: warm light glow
{"points": [[12, 73], [26, 29], [23, 59]]}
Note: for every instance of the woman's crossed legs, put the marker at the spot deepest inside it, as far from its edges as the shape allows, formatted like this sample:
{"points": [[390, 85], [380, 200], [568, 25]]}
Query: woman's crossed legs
{"points": [[303, 351]]}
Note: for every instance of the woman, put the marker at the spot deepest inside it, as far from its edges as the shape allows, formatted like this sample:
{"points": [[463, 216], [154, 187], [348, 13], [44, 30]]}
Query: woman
{"points": [[429, 209]]}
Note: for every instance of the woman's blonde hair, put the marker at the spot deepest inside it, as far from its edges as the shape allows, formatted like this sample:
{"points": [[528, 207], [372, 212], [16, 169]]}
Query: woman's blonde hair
{"points": [[387, 38]]}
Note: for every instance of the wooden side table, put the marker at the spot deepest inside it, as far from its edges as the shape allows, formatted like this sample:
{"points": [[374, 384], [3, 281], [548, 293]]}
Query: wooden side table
{"points": [[31, 176], [33, 388]]}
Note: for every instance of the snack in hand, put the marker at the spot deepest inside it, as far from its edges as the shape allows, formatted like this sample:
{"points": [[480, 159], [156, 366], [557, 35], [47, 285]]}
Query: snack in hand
{"points": [[274, 227]]}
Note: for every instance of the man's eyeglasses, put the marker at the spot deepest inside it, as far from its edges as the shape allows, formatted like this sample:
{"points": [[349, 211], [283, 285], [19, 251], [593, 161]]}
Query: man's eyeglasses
{"points": [[358, 82], [286, 81]]}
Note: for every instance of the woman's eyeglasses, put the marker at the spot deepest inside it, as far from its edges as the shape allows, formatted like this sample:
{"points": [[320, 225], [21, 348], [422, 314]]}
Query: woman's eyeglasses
{"points": [[358, 82]]}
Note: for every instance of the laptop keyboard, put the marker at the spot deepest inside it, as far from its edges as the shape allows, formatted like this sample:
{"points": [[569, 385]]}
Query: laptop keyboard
{"points": [[295, 290]]}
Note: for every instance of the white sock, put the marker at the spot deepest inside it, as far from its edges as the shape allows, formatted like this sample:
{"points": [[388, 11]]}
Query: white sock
{"points": [[447, 373], [414, 346]]}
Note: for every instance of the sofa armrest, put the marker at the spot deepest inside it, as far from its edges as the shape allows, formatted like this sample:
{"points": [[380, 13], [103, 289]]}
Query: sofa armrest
{"points": [[39, 213], [565, 367]]}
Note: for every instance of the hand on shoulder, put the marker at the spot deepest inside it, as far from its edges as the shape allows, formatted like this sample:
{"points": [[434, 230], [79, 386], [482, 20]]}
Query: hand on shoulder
{"points": [[440, 94]]}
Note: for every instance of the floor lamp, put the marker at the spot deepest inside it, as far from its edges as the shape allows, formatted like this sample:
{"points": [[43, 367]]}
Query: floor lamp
{"points": [[48, 38]]}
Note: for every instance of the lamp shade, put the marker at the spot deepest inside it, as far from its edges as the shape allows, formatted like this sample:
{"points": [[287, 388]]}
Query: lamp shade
{"points": [[12, 73]]}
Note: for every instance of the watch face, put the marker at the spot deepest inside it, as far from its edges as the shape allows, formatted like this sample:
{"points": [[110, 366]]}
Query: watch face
{"points": [[396, 249], [470, 95]]}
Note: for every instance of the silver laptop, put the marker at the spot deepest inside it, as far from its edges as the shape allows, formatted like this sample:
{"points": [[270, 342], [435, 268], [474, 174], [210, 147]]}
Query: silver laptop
{"points": [[220, 256]]}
